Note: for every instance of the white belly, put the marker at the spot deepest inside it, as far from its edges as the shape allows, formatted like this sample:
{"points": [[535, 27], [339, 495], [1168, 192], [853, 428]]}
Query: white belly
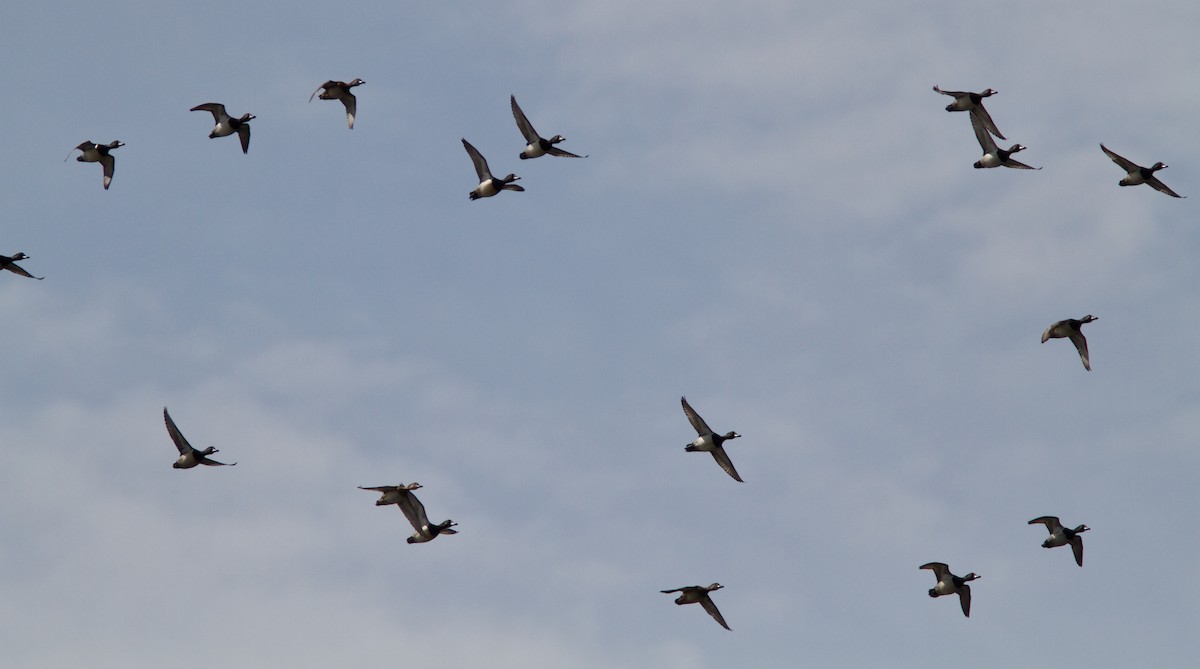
{"points": [[222, 130], [704, 443], [534, 150], [990, 160]]}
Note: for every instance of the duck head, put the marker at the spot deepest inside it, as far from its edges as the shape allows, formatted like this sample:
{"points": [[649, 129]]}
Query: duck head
{"points": [[510, 178], [556, 139], [987, 93], [732, 435], [356, 82], [1088, 319], [20, 255], [1156, 167]]}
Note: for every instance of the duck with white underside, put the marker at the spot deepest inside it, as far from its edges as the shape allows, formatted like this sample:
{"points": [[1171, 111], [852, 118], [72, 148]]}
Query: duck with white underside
{"points": [[972, 102], [698, 594], [488, 185], [412, 508], [709, 441], [1138, 175], [340, 90], [1071, 328], [994, 156], [949, 584], [1061, 536], [98, 153], [227, 125], [536, 145], [188, 456], [10, 263]]}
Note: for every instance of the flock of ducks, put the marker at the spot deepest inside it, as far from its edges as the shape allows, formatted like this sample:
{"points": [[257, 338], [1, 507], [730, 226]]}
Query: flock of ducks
{"points": [[403, 496]]}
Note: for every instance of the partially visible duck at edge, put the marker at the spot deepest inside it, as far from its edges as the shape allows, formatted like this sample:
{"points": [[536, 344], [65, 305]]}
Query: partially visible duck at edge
{"points": [[536, 145], [488, 185], [949, 584], [1061, 536], [1140, 175], [98, 153], [973, 102], [1071, 328], [698, 594], [994, 156], [340, 90], [188, 456], [10, 263], [709, 441], [227, 125]]}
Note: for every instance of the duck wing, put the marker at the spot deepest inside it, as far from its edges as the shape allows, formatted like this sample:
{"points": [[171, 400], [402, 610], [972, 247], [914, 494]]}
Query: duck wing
{"points": [[555, 151], [940, 569], [351, 104], [986, 119], [953, 94], [205, 460], [1077, 549], [523, 123], [17, 269], [1016, 164], [1161, 187], [83, 146], [110, 165], [243, 132], [481, 166], [181, 444], [708, 605], [984, 137], [414, 511], [1080, 343], [964, 598], [215, 108], [722, 459], [1051, 522], [327, 84], [1125, 164], [702, 428]]}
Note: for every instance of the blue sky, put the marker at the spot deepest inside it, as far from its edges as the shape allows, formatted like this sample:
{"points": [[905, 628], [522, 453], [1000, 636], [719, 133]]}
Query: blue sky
{"points": [[777, 219]]}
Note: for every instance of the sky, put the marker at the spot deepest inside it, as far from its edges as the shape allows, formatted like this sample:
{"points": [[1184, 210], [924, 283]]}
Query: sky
{"points": [[777, 219]]}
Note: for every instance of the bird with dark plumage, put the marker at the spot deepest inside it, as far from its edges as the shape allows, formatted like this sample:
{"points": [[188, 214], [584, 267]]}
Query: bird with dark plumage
{"points": [[10, 263], [698, 594], [188, 456], [1071, 329], [340, 90], [949, 584], [1061, 536], [709, 441], [227, 125], [98, 153]]}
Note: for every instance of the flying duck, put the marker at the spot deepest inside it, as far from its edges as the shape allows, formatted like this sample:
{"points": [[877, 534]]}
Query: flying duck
{"points": [[414, 511], [994, 156], [536, 145], [340, 90], [709, 441], [226, 124], [392, 494], [10, 263], [1061, 536], [692, 594], [1070, 328], [972, 102], [949, 584], [188, 456], [98, 153], [488, 185], [1138, 174]]}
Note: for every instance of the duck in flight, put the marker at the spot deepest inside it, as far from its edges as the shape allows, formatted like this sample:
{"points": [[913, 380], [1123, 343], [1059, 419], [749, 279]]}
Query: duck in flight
{"points": [[698, 594], [10, 263], [536, 145], [709, 441], [98, 153], [994, 156], [1138, 174], [188, 456], [488, 185], [340, 90], [227, 125], [1061, 536], [1071, 328], [949, 584], [973, 102], [413, 510]]}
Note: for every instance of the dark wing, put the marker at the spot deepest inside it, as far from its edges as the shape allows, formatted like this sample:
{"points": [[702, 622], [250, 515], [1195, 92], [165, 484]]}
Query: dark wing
{"points": [[481, 166], [1080, 343], [953, 94], [667, 592], [1161, 187], [1051, 522], [205, 460], [110, 165], [1016, 164], [722, 459], [940, 569], [964, 598], [523, 123], [555, 151], [176, 436], [983, 136], [16, 269], [83, 146], [215, 108], [1125, 164], [694, 418], [322, 87], [414, 511], [244, 135], [986, 118], [381, 488], [1077, 549], [351, 103], [708, 605]]}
